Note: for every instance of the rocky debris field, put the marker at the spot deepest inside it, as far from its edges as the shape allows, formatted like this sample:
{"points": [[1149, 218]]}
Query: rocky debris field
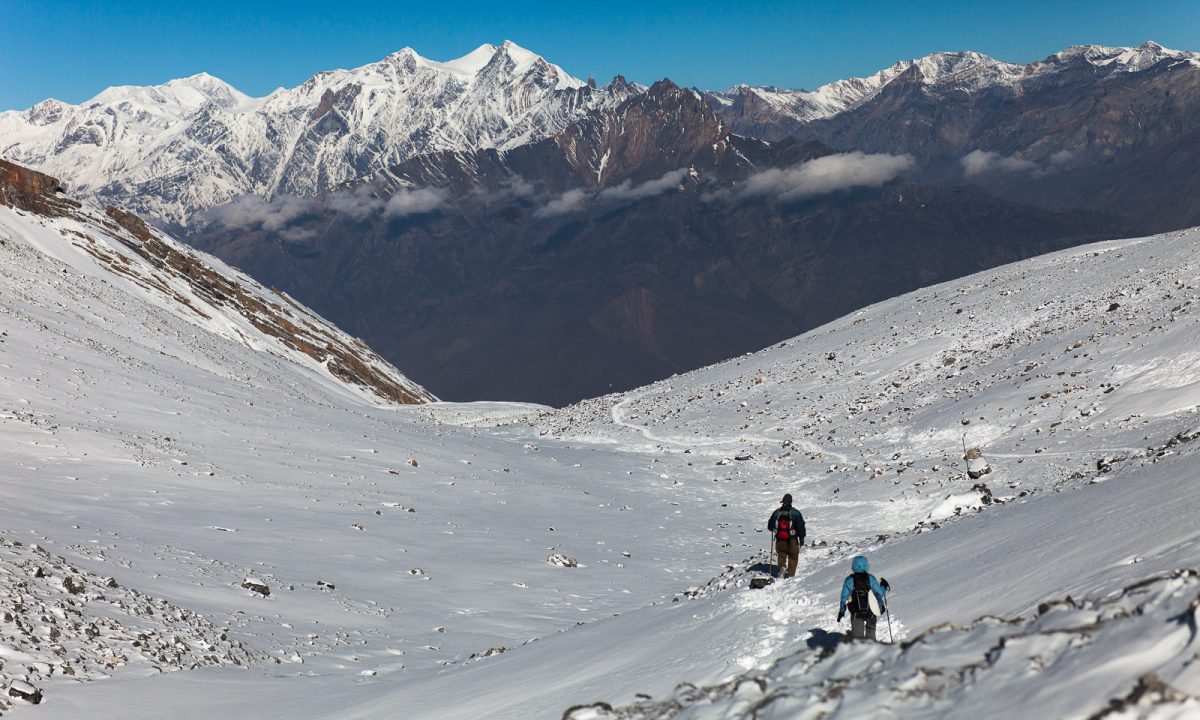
{"points": [[61, 623]]}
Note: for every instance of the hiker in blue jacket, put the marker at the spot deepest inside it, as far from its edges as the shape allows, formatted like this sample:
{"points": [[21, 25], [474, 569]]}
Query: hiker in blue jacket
{"points": [[855, 598]]}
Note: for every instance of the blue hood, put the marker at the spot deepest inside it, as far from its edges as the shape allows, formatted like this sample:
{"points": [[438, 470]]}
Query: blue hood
{"points": [[858, 564]]}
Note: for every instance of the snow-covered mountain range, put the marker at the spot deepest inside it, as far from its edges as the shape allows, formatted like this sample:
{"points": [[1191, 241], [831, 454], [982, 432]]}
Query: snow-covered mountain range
{"points": [[193, 143], [220, 530], [171, 150], [752, 108]]}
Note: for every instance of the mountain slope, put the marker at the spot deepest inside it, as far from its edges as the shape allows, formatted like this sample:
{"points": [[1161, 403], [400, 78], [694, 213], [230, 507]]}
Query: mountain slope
{"points": [[1075, 373], [119, 249]]}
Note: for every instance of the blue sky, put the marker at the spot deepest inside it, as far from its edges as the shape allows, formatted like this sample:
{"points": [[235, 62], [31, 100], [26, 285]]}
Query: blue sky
{"points": [[72, 50]]}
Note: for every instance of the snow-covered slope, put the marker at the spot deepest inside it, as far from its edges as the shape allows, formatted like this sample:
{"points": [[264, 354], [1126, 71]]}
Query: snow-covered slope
{"points": [[194, 143], [939, 73], [418, 558], [158, 274]]}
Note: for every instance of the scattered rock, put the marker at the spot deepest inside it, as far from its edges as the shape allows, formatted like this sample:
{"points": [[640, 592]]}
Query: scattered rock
{"points": [[977, 466], [562, 560], [24, 691], [493, 651], [256, 585]]}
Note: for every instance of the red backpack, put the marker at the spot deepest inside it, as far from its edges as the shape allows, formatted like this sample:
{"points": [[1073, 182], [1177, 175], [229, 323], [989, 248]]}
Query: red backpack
{"points": [[784, 530]]}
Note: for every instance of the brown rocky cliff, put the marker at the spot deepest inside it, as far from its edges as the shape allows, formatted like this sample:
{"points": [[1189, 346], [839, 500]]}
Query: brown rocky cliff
{"points": [[353, 365], [32, 191], [661, 130]]}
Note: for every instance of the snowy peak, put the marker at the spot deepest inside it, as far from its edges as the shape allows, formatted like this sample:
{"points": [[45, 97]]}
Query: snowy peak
{"points": [[183, 94], [1118, 59], [467, 66], [171, 150], [964, 71]]}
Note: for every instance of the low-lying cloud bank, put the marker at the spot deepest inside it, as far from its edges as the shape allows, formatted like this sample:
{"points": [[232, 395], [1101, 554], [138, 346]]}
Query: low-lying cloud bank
{"points": [[623, 194], [295, 219], [820, 176], [291, 217], [985, 162]]}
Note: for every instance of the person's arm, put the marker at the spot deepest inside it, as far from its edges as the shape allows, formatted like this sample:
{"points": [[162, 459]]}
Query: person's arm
{"points": [[880, 592], [800, 529], [847, 588], [771, 522]]}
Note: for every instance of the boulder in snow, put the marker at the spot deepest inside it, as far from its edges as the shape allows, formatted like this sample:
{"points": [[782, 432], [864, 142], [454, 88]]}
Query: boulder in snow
{"points": [[562, 560], [974, 500], [256, 585], [24, 691], [977, 466]]}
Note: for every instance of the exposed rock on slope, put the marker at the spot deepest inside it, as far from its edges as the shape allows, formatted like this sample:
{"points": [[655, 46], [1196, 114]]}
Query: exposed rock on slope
{"points": [[60, 621]]}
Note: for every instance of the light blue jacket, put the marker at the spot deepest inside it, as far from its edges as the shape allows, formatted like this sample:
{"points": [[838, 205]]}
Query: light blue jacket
{"points": [[859, 564]]}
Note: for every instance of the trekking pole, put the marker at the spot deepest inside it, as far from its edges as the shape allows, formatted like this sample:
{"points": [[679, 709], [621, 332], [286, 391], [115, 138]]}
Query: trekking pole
{"points": [[888, 611], [770, 555]]}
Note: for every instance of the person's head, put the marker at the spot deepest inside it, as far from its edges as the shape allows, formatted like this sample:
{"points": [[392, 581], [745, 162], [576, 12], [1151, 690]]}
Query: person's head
{"points": [[787, 500], [858, 564]]}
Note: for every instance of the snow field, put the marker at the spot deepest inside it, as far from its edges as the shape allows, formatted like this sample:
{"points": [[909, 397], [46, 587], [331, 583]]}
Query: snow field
{"points": [[403, 548]]}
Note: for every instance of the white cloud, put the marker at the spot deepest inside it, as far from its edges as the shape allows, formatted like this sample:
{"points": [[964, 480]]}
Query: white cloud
{"points": [[357, 205], [574, 200], [979, 162], [251, 212], [1061, 157], [413, 202], [568, 202], [824, 175], [626, 192]]}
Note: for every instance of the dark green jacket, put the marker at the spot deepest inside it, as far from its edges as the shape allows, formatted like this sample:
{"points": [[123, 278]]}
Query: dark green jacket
{"points": [[797, 521]]}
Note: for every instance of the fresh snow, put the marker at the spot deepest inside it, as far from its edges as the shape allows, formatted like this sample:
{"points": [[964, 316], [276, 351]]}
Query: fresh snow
{"points": [[418, 559]]}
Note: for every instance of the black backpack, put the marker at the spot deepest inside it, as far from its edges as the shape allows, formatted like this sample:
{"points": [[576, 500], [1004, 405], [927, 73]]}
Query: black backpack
{"points": [[859, 603]]}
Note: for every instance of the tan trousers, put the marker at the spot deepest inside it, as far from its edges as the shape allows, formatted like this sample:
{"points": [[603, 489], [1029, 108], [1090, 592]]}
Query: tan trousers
{"points": [[788, 554]]}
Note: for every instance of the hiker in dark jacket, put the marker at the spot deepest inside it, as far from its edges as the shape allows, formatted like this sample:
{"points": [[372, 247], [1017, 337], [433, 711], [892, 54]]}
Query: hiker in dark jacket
{"points": [[788, 525], [855, 599]]}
